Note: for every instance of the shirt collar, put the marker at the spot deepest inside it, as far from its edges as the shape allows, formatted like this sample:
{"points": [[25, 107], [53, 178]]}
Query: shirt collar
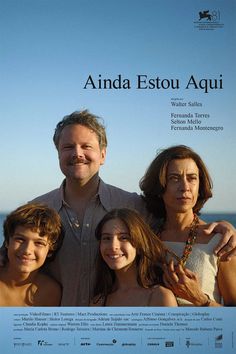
{"points": [[61, 200], [104, 195]]}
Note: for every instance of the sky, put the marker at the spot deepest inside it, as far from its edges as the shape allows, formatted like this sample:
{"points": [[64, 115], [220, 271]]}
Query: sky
{"points": [[48, 50]]}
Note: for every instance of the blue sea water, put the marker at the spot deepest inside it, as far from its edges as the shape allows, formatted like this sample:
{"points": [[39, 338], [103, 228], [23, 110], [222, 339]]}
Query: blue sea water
{"points": [[206, 217], [230, 217]]}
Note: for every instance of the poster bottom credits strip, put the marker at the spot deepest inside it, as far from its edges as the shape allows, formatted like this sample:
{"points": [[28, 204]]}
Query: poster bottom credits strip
{"points": [[118, 330]]}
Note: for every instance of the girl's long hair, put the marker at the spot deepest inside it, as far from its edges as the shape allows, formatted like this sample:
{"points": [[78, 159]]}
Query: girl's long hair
{"points": [[150, 253]]}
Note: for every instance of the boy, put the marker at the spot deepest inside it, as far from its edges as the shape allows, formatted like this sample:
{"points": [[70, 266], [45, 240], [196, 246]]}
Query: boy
{"points": [[32, 233]]}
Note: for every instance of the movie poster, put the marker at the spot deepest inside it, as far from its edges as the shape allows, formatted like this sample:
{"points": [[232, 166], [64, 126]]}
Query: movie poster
{"points": [[159, 73]]}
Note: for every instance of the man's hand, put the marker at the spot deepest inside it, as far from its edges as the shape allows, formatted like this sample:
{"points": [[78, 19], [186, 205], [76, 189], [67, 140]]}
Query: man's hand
{"points": [[226, 249]]}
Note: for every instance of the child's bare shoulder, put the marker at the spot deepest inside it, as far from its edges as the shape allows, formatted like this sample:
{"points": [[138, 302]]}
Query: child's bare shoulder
{"points": [[162, 296], [49, 290]]}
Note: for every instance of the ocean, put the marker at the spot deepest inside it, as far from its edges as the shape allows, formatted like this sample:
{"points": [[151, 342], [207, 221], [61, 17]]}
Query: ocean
{"points": [[209, 217]]}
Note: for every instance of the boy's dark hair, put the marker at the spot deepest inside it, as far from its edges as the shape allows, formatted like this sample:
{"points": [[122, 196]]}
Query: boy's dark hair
{"points": [[37, 217]]}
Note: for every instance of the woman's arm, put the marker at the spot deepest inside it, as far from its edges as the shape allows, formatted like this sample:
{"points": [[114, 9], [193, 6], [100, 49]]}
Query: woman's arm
{"points": [[227, 281]]}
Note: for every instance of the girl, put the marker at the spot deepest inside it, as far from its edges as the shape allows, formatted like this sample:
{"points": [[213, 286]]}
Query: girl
{"points": [[129, 263]]}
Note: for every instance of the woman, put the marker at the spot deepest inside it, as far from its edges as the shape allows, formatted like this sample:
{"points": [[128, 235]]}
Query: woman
{"points": [[175, 187], [128, 267]]}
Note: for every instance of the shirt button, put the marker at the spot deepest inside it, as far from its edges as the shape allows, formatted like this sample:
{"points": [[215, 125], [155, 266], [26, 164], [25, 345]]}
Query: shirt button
{"points": [[87, 225]]}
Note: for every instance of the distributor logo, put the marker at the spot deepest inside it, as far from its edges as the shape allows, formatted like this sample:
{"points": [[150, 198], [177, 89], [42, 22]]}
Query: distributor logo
{"points": [[190, 343], [206, 20], [209, 16], [218, 341], [43, 343], [110, 343], [20, 342], [169, 344]]}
